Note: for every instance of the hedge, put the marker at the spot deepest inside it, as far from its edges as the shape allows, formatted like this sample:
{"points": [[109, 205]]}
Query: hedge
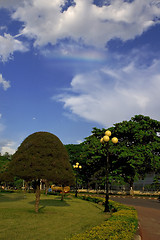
{"points": [[122, 225]]}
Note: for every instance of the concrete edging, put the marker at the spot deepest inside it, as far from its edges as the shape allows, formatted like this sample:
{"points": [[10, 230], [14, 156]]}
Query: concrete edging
{"points": [[138, 234]]}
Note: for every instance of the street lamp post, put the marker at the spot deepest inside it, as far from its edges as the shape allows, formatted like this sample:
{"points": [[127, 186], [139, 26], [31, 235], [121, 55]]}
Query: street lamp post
{"points": [[105, 140], [77, 166]]}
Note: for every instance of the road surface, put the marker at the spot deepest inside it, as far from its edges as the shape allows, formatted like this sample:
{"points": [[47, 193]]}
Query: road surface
{"points": [[148, 215]]}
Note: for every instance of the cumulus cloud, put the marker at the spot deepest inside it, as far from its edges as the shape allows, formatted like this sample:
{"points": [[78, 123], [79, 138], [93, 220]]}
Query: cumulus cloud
{"points": [[85, 21], [7, 146], [5, 84], [80, 22], [10, 3], [111, 95], [8, 44], [73, 50]]}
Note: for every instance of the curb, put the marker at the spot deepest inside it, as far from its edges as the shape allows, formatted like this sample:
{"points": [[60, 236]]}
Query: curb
{"points": [[138, 236], [154, 198]]}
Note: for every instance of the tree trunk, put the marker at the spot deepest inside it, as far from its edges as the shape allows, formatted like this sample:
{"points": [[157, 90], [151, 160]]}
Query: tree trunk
{"points": [[62, 196], [25, 187], [38, 193], [46, 186]]}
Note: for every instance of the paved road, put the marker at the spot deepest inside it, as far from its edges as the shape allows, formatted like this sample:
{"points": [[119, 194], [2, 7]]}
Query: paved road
{"points": [[148, 215]]}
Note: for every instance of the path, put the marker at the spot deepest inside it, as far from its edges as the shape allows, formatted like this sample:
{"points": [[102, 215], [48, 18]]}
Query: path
{"points": [[148, 215]]}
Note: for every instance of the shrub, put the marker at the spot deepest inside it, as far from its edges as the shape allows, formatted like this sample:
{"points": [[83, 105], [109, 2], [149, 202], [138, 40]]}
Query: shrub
{"points": [[121, 226], [92, 199], [152, 187]]}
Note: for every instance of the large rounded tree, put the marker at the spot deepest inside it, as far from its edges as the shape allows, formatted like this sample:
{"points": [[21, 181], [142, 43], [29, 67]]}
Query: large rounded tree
{"points": [[42, 156]]}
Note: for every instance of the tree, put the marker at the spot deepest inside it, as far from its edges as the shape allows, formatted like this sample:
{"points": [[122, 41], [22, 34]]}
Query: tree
{"points": [[94, 156], [80, 153], [74, 151], [42, 156], [138, 151], [4, 161], [5, 176]]}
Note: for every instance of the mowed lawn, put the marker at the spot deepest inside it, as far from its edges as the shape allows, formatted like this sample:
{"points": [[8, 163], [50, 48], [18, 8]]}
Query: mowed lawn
{"points": [[57, 220]]}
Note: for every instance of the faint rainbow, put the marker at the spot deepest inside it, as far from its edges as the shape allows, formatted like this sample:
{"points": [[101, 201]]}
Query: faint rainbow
{"points": [[84, 55]]}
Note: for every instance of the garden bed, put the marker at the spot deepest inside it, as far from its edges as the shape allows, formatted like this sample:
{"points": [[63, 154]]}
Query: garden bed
{"points": [[122, 225]]}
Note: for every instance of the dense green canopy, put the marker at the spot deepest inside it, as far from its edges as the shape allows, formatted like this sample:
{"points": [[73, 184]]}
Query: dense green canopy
{"points": [[136, 153], [42, 156], [4, 161], [4, 174]]}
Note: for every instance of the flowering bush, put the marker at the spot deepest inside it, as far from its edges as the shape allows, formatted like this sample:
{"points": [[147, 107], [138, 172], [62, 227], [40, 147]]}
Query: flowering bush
{"points": [[122, 225]]}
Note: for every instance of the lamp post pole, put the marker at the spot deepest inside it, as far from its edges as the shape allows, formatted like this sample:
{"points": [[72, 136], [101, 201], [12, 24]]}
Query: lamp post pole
{"points": [[105, 140], [77, 166], [107, 181]]}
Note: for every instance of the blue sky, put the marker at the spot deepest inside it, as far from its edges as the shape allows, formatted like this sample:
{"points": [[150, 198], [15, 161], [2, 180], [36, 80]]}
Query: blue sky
{"points": [[67, 66]]}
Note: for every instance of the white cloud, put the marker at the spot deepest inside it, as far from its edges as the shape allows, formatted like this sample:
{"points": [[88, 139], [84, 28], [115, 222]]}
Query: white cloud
{"points": [[46, 23], [111, 95], [79, 141], [5, 84], [8, 147], [10, 3], [8, 44], [73, 50]]}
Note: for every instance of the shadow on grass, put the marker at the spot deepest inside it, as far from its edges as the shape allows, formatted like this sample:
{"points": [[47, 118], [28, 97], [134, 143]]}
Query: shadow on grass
{"points": [[51, 202], [10, 198]]}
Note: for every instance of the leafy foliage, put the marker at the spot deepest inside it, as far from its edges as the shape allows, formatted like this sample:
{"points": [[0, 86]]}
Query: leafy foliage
{"points": [[74, 151], [138, 150], [42, 156], [95, 155], [121, 226], [75, 155], [136, 153], [4, 163]]}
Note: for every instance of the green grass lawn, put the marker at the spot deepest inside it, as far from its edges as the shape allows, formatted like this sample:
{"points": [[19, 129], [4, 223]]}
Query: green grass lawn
{"points": [[57, 220]]}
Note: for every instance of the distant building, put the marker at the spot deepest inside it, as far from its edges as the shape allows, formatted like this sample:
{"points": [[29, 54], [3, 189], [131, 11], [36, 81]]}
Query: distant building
{"points": [[141, 183]]}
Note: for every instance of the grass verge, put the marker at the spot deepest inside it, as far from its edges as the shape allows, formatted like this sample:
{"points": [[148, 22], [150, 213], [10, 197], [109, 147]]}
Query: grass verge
{"points": [[121, 226], [57, 220]]}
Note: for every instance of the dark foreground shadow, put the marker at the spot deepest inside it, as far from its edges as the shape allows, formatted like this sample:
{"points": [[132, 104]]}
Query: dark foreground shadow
{"points": [[11, 197], [51, 202]]}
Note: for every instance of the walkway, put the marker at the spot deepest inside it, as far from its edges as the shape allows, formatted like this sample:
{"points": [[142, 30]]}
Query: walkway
{"points": [[148, 215]]}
